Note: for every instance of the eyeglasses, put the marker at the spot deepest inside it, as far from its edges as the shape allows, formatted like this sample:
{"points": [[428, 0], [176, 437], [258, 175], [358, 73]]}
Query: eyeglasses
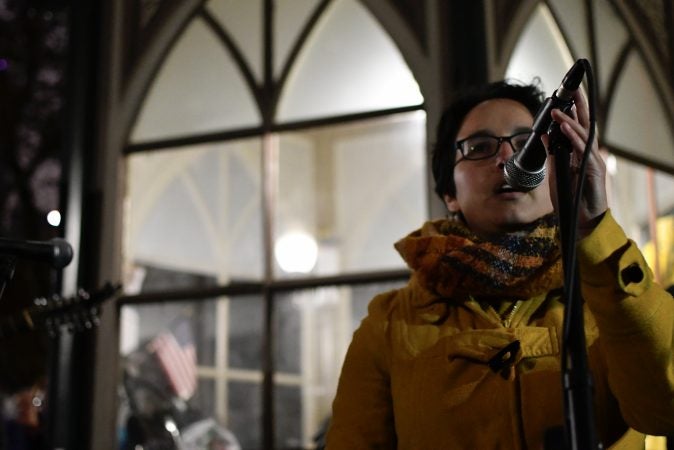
{"points": [[485, 146]]}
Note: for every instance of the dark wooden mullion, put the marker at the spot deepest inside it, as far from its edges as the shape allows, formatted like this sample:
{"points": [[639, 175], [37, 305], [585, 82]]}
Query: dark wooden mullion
{"points": [[632, 155], [251, 288], [257, 131], [268, 372], [269, 169], [294, 53], [644, 26], [195, 139], [668, 11], [237, 55], [269, 88], [590, 23]]}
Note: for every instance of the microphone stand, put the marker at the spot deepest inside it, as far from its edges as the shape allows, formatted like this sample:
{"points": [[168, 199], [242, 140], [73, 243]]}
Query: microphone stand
{"points": [[580, 431]]}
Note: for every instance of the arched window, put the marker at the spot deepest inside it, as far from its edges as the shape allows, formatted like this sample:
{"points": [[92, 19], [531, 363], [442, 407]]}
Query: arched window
{"points": [[275, 158]]}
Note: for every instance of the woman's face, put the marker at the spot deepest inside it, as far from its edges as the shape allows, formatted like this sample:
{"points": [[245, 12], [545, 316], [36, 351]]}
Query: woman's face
{"points": [[481, 196]]}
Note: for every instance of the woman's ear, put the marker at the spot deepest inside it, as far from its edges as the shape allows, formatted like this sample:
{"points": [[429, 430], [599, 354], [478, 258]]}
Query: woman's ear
{"points": [[452, 204]]}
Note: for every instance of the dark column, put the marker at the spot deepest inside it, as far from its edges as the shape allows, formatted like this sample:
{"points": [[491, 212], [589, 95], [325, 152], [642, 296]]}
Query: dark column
{"points": [[71, 357], [465, 60]]}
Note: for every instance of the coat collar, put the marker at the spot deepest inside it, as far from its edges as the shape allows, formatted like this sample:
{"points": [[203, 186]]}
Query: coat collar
{"points": [[450, 261]]}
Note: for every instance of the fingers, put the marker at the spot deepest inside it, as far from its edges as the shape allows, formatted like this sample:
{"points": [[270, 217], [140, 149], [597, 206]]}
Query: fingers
{"points": [[578, 136], [582, 110], [574, 130]]}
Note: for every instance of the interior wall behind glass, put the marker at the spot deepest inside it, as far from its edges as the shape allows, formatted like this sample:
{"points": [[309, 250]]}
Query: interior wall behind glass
{"points": [[354, 190], [311, 332], [196, 210], [642, 200]]}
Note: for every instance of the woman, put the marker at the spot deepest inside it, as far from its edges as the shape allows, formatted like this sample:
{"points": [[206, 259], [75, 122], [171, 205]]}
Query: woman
{"points": [[467, 355]]}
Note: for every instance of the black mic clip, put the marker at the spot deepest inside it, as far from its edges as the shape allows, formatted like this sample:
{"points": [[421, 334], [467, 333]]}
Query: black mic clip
{"points": [[561, 99]]}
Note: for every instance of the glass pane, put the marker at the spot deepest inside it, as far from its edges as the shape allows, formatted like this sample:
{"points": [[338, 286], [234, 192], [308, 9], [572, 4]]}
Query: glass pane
{"points": [[243, 22], [198, 89], [340, 73], [664, 188], [206, 431], [288, 413], [245, 411], [245, 331], [628, 193], [289, 20], [642, 200], [571, 14], [161, 346], [663, 265], [611, 36], [636, 119], [633, 192], [205, 398], [311, 331], [163, 380], [339, 208], [193, 216], [540, 52]]}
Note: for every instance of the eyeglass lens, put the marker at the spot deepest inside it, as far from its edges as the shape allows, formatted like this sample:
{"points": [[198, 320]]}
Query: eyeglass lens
{"points": [[482, 147]]}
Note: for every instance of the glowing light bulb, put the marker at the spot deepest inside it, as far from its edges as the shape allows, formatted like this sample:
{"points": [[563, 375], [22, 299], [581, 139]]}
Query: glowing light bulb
{"points": [[296, 252], [54, 218]]}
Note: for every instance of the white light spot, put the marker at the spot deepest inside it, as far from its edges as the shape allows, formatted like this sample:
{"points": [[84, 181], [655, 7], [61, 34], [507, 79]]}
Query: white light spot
{"points": [[296, 252], [611, 164], [54, 218]]}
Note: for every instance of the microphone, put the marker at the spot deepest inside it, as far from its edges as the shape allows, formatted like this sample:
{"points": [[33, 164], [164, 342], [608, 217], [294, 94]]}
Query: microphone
{"points": [[57, 252], [526, 170]]}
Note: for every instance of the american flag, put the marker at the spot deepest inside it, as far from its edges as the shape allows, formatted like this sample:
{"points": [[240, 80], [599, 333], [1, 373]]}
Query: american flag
{"points": [[177, 357]]}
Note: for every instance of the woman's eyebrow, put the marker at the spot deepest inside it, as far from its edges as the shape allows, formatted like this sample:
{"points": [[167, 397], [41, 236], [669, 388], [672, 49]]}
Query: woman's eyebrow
{"points": [[481, 132], [488, 132]]}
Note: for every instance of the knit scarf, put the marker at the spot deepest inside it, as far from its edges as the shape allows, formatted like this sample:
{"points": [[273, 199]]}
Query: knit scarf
{"points": [[453, 262]]}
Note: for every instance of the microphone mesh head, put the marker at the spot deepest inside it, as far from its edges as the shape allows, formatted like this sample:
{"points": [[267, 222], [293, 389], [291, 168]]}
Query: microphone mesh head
{"points": [[62, 253], [521, 179]]}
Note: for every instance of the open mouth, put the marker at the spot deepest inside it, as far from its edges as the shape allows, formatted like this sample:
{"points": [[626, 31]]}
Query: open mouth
{"points": [[506, 188]]}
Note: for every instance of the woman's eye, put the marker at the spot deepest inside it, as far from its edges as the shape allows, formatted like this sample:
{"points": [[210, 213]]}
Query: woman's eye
{"points": [[480, 148], [519, 141]]}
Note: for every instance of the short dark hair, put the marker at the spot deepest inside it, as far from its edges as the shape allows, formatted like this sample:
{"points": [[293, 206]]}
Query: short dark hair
{"points": [[444, 150]]}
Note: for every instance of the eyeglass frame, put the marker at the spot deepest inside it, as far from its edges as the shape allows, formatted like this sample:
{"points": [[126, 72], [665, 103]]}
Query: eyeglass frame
{"points": [[458, 145]]}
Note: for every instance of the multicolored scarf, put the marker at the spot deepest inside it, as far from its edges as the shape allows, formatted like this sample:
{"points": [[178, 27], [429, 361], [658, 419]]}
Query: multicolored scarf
{"points": [[450, 260]]}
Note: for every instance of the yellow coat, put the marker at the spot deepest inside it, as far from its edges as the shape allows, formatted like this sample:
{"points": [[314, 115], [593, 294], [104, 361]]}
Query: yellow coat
{"points": [[416, 375]]}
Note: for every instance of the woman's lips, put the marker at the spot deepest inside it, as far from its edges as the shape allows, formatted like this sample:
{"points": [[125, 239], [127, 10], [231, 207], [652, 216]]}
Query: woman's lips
{"points": [[507, 192]]}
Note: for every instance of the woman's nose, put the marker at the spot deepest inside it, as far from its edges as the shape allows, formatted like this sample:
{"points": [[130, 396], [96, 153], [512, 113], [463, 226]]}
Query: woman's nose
{"points": [[504, 153]]}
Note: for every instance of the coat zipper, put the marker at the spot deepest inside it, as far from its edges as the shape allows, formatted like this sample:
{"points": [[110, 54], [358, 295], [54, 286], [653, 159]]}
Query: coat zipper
{"points": [[506, 319]]}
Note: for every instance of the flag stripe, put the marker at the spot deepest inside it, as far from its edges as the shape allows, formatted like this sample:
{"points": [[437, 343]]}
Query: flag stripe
{"points": [[178, 363]]}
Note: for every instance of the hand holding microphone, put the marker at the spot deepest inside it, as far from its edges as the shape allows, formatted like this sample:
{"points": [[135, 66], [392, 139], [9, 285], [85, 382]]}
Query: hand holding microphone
{"points": [[526, 170], [594, 199]]}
